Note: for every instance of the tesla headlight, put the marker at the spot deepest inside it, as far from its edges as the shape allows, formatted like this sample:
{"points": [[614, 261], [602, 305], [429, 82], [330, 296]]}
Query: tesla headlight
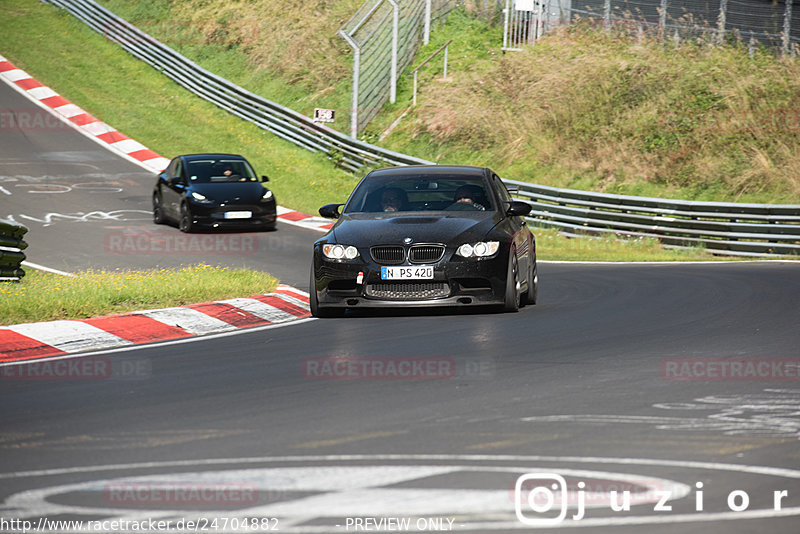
{"points": [[197, 196], [267, 195], [340, 252], [481, 249]]}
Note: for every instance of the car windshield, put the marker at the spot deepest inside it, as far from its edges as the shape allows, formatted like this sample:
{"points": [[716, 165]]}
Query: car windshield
{"points": [[219, 170], [420, 193]]}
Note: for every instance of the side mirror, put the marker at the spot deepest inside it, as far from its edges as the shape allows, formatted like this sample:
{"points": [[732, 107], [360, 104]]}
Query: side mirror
{"points": [[265, 178], [330, 211], [175, 180], [518, 208]]}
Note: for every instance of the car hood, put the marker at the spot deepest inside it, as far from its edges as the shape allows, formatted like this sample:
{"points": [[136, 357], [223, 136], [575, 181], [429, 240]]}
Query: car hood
{"points": [[366, 229], [245, 192]]}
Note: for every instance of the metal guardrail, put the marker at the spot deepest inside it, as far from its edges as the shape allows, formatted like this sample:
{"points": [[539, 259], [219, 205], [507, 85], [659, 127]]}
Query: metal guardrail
{"points": [[725, 228], [11, 247], [720, 227], [283, 122]]}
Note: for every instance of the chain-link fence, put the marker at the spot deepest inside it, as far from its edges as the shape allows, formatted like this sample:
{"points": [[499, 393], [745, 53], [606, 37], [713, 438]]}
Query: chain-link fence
{"points": [[384, 36], [772, 23]]}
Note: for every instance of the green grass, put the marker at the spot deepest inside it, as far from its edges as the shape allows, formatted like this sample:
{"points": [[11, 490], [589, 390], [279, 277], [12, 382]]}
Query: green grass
{"points": [[42, 296], [551, 245], [583, 108], [589, 109], [99, 76]]}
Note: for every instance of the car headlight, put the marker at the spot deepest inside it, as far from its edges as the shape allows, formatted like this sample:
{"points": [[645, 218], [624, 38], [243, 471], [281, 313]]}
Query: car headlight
{"points": [[481, 249], [267, 195], [340, 252], [200, 198]]}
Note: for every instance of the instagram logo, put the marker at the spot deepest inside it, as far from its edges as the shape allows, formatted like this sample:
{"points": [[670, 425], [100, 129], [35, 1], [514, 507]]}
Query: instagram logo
{"points": [[539, 493]]}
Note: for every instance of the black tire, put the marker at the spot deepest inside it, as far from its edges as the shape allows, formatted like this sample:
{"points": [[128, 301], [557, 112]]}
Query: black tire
{"points": [[186, 224], [512, 297], [316, 310], [158, 210], [531, 294]]}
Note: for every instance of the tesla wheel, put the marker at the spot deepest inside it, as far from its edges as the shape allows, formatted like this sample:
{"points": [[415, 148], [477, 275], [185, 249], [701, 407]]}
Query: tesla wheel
{"points": [[512, 297], [186, 224], [158, 211], [316, 310], [531, 294]]}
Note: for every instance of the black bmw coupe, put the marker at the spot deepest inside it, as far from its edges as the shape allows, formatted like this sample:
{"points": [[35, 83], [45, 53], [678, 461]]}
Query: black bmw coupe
{"points": [[425, 236], [213, 191]]}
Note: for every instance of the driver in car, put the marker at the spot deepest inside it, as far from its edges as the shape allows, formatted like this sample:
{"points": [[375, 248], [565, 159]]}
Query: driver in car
{"points": [[466, 199]]}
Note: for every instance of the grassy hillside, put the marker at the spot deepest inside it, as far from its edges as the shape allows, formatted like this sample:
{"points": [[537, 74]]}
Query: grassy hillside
{"points": [[583, 108], [99, 76], [595, 110]]}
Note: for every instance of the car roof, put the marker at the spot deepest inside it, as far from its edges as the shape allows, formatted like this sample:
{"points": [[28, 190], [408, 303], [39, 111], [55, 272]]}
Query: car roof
{"points": [[410, 170], [190, 157]]}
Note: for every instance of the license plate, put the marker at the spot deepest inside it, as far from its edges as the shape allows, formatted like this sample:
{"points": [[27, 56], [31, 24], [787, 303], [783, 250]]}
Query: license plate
{"points": [[407, 273], [238, 214]]}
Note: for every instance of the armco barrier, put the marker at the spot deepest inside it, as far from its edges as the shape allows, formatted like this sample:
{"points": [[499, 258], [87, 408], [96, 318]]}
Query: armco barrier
{"points": [[721, 227], [11, 247], [281, 121], [724, 228]]}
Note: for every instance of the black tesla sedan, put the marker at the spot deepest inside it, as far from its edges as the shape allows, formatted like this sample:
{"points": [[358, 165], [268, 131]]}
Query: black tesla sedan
{"points": [[213, 191], [425, 236]]}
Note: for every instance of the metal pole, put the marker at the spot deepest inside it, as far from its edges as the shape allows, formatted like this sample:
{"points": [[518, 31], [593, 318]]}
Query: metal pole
{"points": [[662, 19], [607, 14], [395, 32], [787, 28], [444, 77], [723, 12], [426, 37], [505, 26], [354, 96]]}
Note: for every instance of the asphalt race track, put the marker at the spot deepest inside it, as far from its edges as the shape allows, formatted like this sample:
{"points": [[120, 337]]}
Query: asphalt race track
{"points": [[676, 381]]}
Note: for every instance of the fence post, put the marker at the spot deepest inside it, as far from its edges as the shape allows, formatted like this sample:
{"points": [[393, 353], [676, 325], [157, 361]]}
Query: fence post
{"points": [[356, 70], [395, 38], [606, 14], [426, 36], [721, 20], [506, 13], [662, 19], [787, 28]]}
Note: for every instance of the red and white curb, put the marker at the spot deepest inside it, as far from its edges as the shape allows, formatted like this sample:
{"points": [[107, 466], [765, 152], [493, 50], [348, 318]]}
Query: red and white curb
{"points": [[112, 139], [33, 341], [85, 123]]}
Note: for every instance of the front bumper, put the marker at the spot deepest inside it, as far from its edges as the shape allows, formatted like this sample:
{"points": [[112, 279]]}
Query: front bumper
{"points": [[457, 282], [263, 216]]}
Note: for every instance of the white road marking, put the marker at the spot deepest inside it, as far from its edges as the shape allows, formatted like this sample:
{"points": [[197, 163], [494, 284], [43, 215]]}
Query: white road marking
{"points": [[192, 321], [15, 75], [69, 336], [360, 490], [127, 146], [46, 269], [775, 413], [69, 110], [40, 93], [260, 309], [159, 344]]}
